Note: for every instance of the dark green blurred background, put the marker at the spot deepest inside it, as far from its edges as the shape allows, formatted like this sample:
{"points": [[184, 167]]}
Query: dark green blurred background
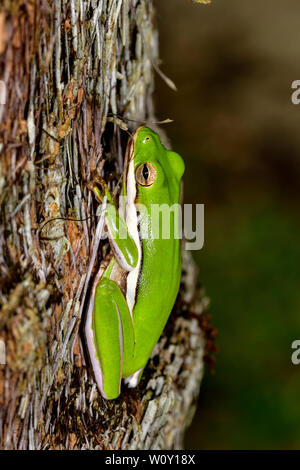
{"points": [[233, 63]]}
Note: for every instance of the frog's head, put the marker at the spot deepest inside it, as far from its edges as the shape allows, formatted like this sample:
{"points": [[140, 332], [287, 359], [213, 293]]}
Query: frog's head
{"points": [[155, 166]]}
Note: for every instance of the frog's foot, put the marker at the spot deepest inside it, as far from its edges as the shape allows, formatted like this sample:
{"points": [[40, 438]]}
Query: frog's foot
{"points": [[99, 187], [134, 379]]}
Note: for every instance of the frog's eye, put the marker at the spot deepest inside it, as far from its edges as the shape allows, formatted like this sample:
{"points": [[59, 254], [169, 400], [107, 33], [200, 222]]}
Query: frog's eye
{"points": [[145, 174]]}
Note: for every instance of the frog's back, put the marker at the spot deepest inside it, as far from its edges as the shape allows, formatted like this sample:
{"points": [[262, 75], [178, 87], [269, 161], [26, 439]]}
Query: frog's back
{"points": [[156, 296], [160, 264]]}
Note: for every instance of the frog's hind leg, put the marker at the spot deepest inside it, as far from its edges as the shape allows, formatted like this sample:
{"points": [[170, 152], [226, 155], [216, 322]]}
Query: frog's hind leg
{"points": [[110, 336]]}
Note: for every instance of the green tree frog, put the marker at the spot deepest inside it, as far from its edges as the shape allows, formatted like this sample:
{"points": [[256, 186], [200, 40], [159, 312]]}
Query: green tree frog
{"points": [[135, 289]]}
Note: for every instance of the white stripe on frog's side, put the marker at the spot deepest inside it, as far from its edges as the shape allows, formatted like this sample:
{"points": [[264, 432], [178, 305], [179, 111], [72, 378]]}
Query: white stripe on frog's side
{"points": [[132, 225]]}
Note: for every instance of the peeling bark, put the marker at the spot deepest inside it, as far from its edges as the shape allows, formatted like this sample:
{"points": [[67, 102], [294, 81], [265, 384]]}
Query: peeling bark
{"points": [[75, 72]]}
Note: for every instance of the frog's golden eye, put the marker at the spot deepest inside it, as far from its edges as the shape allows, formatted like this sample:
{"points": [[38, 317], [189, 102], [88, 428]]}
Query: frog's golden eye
{"points": [[145, 174]]}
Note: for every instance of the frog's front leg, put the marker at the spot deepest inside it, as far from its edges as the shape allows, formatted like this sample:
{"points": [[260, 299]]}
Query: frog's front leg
{"points": [[110, 335], [124, 247]]}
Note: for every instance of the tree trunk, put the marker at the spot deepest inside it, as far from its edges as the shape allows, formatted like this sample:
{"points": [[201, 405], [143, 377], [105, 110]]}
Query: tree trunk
{"points": [[75, 71]]}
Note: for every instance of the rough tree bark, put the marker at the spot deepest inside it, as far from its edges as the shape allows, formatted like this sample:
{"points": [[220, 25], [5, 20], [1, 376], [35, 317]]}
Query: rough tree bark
{"points": [[74, 72]]}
